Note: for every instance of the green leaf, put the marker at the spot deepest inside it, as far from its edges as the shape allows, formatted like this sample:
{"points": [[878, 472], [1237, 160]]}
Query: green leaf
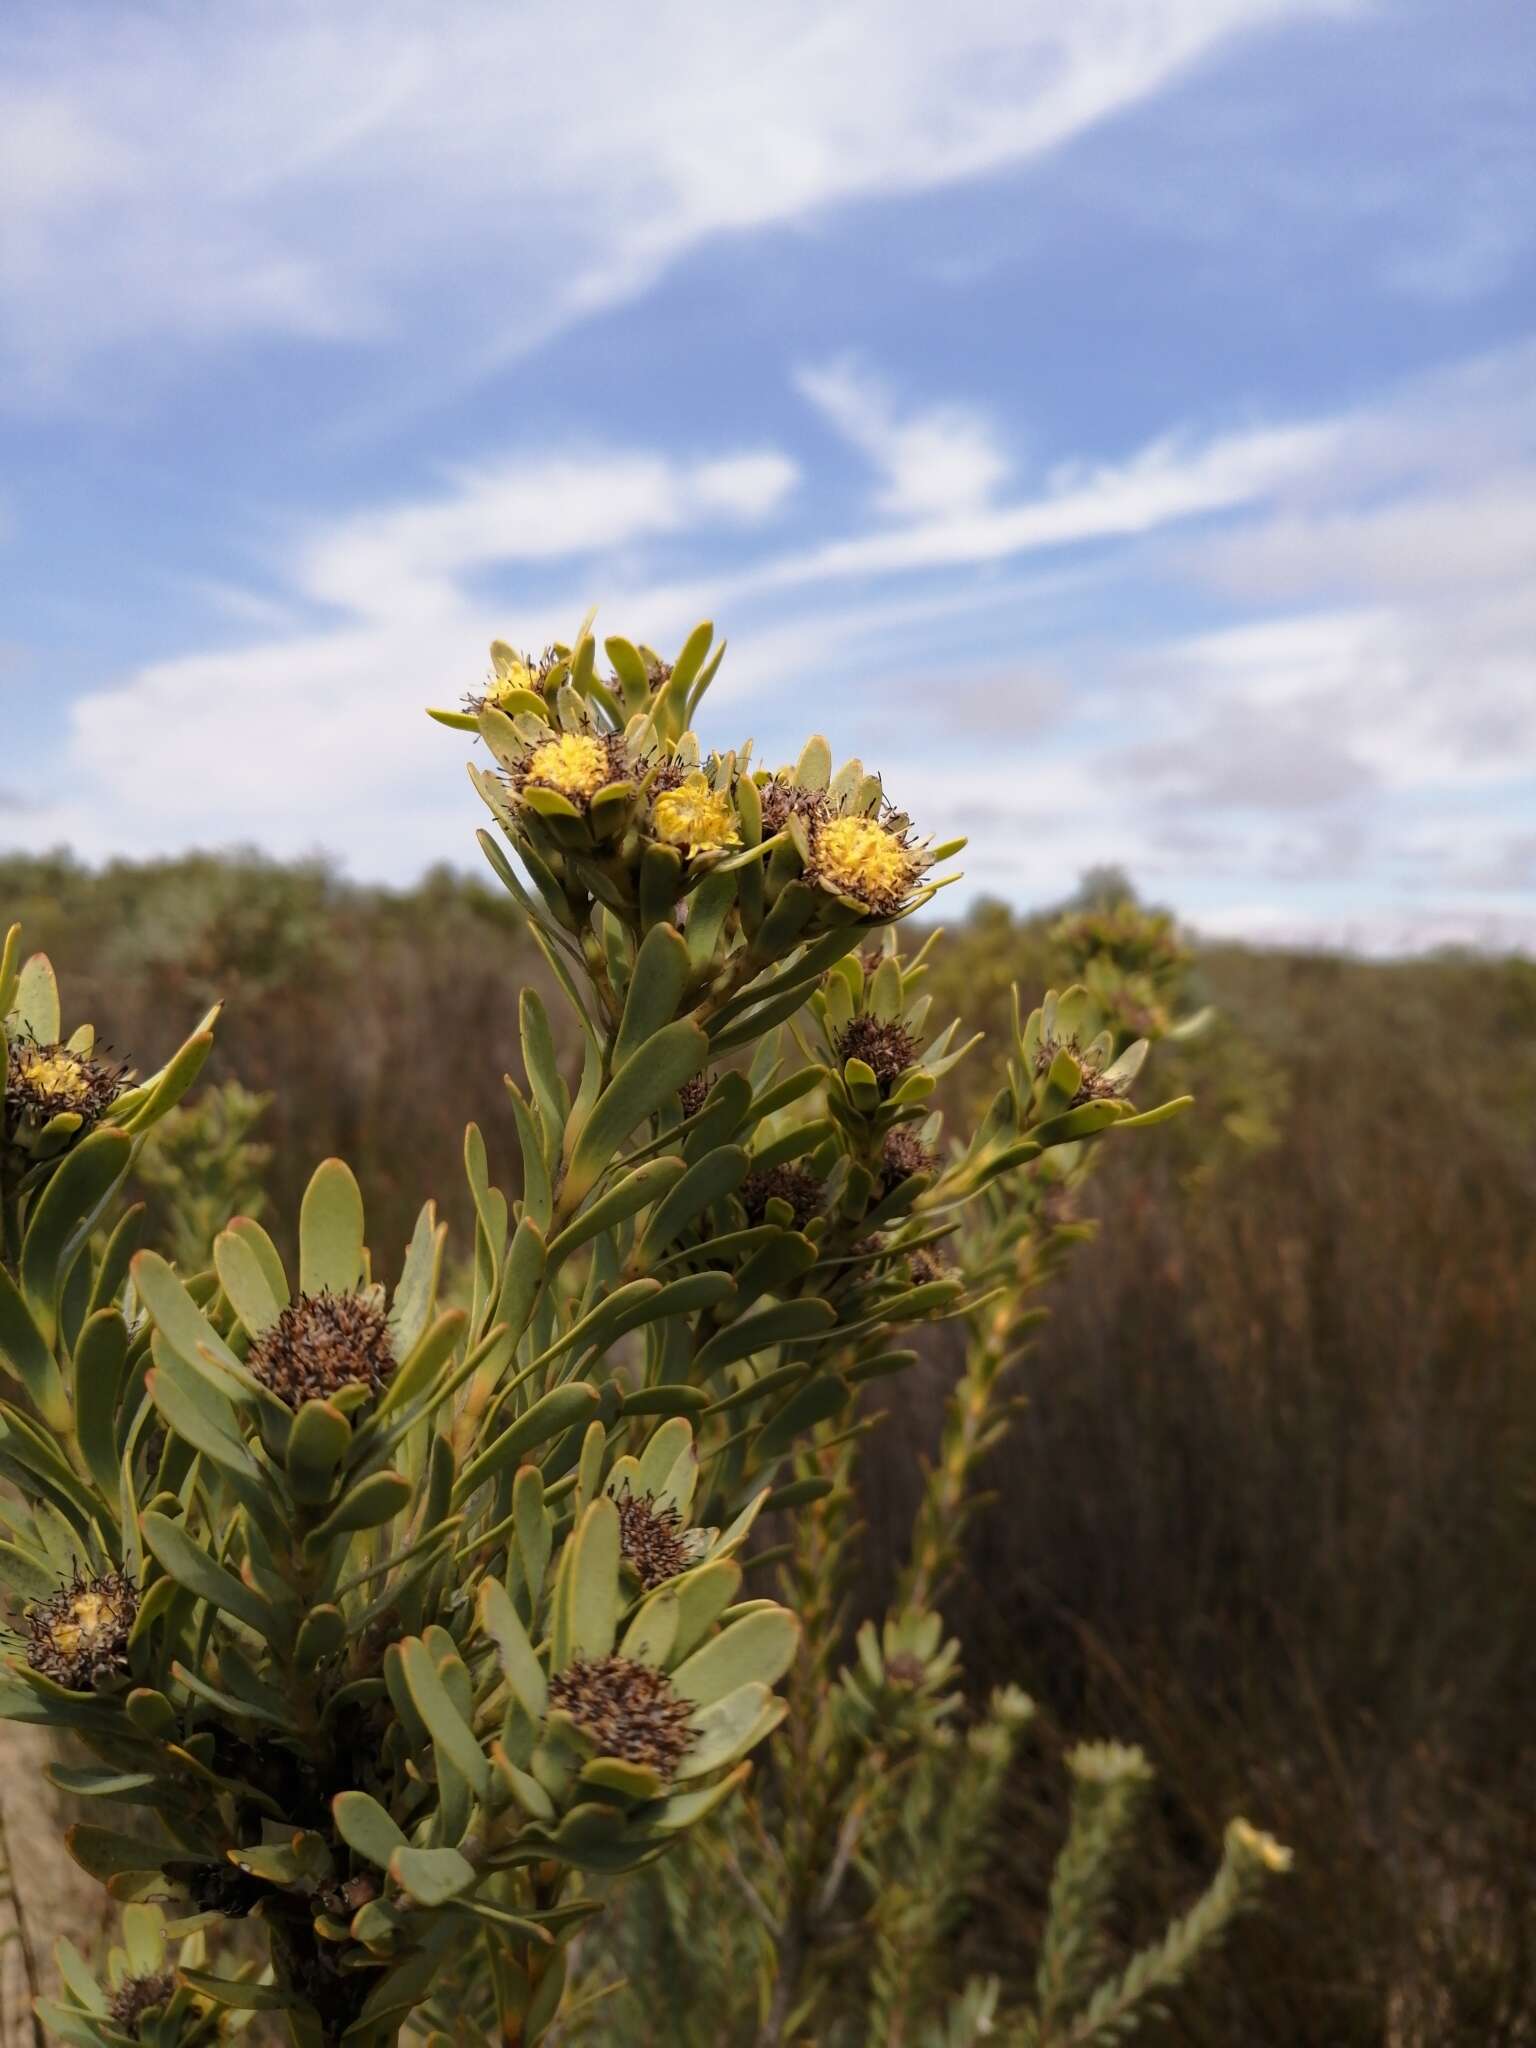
{"points": [[365, 1826], [780, 1323], [561, 1409], [244, 1277], [35, 1005], [270, 1259], [106, 1853], [648, 1080], [535, 1536], [813, 770], [595, 1598], [665, 1400], [524, 1673], [367, 1504], [448, 1729], [191, 1566], [161, 1092], [239, 1994], [432, 1876], [1160, 1115], [707, 1181], [317, 1443], [25, 1353], [190, 1408], [636, 1190], [417, 1371], [656, 989], [727, 1728], [331, 1227], [65, 1214], [758, 1649], [820, 1400]]}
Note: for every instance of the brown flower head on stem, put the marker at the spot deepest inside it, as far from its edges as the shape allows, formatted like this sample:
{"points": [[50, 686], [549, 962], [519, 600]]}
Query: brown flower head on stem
{"points": [[627, 1710], [652, 1538], [78, 1636], [790, 1183], [137, 1996], [321, 1343], [887, 1047], [904, 1154]]}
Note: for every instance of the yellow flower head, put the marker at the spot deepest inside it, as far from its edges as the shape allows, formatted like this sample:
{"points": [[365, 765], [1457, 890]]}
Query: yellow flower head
{"points": [[695, 817], [861, 858], [576, 764], [44, 1081], [55, 1072]]}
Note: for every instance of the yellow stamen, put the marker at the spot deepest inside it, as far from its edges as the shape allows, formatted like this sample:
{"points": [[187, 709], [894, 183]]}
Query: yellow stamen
{"points": [[575, 764], [859, 857], [695, 816]]}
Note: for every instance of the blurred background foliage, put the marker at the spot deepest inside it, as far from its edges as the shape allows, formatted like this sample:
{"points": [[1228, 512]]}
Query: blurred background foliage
{"points": [[1271, 1512]]}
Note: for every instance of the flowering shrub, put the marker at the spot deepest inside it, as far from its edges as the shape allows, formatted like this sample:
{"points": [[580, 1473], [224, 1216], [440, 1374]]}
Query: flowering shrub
{"points": [[403, 1629]]}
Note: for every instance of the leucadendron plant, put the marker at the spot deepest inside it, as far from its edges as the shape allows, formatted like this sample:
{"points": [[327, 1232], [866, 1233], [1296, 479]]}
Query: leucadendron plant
{"points": [[402, 1630]]}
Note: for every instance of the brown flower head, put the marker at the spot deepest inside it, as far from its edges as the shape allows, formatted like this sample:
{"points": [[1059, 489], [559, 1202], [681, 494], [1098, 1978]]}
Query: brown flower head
{"points": [[693, 1091], [321, 1343], [906, 1669], [136, 1996], [881, 1043], [627, 1710], [43, 1081], [652, 1538], [796, 1185], [1095, 1084], [924, 1265], [78, 1636], [904, 1154], [780, 800]]}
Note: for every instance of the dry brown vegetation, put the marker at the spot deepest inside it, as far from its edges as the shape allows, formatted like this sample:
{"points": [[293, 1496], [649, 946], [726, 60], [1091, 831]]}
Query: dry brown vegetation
{"points": [[1272, 1511]]}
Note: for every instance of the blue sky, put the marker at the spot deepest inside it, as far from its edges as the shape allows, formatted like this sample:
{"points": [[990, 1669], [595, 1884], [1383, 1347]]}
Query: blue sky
{"points": [[1117, 422]]}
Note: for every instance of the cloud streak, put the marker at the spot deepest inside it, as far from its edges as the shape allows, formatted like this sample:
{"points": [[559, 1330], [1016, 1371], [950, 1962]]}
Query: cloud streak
{"points": [[180, 177]]}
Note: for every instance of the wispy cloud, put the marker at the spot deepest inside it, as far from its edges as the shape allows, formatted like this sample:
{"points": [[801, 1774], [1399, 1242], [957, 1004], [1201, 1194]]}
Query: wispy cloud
{"points": [[940, 461], [183, 175], [1296, 748]]}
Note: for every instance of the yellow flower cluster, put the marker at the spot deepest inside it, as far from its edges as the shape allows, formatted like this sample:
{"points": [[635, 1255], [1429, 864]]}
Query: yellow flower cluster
{"points": [[575, 764], [861, 858], [695, 817], [54, 1072]]}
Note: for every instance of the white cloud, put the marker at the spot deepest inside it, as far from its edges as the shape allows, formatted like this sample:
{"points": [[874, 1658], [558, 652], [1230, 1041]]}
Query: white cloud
{"points": [[942, 461], [412, 558], [184, 174]]}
